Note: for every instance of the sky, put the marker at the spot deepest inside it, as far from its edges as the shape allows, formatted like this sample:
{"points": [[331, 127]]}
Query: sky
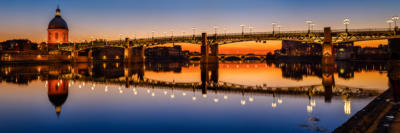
{"points": [[110, 18]]}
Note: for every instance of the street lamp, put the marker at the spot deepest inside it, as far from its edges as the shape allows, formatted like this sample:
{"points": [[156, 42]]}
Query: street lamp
{"points": [[242, 25], [152, 35], [225, 31], [390, 24], [312, 26], [120, 38], [395, 18], [135, 36], [309, 22], [165, 34], [273, 28], [346, 22], [251, 29], [279, 29], [215, 29], [194, 31]]}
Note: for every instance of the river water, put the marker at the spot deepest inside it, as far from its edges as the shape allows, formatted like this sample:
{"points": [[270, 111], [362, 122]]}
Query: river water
{"points": [[186, 97]]}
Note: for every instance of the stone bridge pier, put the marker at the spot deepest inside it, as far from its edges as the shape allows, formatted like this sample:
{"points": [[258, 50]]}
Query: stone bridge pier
{"points": [[394, 68], [209, 76], [133, 54], [327, 48], [328, 64], [206, 55], [75, 58]]}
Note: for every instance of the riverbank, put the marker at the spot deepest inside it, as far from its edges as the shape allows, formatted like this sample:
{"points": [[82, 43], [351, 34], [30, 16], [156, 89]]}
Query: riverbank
{"points": [[382, 115]]}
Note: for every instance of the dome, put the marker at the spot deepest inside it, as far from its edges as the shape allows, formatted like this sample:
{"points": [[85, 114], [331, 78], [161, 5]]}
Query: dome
{"points": [[58, 22]]}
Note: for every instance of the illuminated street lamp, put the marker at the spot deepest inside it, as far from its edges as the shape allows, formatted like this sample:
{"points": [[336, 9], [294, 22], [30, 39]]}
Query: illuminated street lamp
{"points": [[309, 22], [215, 29], [120, 38], [346, 22], [194, 31], [312, 27], [225, 31], [242, 25], [390, 24], [279, 29], [395, 18], [273, 27], [251, 29], [165, 34], [152, 35]]}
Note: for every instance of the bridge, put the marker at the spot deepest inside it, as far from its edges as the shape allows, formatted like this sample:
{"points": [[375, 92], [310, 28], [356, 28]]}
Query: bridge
{"points": [[133, 50], [315, 36]]}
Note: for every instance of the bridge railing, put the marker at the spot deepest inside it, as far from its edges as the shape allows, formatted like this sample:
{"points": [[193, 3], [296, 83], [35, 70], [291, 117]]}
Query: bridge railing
{"points": [[365, 30], [197, 37]]}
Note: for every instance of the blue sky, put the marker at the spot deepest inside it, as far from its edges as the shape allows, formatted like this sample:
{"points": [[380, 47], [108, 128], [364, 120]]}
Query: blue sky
{"points": [[109, 18]]}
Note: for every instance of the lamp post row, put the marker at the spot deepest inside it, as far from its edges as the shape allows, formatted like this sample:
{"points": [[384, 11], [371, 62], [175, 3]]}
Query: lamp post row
{"points": [[309, 23]]}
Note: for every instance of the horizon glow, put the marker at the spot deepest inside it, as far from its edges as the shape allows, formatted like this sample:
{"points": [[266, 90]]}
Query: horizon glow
{"points": [[110, 18]]}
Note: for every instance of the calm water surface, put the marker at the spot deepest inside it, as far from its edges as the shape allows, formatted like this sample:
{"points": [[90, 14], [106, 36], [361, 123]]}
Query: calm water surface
{"points": [[185, 97]]}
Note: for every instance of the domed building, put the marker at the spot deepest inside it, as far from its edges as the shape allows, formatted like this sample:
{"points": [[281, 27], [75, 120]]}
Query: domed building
{"points": [[57, 31], [57, 93]]}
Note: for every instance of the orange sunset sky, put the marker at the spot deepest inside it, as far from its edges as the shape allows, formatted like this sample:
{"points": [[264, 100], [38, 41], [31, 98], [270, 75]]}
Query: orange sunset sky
{"points": [[261, 48]]}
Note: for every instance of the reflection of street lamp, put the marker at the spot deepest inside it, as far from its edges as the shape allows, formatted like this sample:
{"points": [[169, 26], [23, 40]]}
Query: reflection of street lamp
{"points": [[280, 100], [242, 25], [346, 22], [390, 24], [273, 105], [309, 22], [347, 106]]}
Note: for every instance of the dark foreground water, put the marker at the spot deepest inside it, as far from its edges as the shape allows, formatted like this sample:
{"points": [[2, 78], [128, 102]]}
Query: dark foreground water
{"points": [[292, 97]]}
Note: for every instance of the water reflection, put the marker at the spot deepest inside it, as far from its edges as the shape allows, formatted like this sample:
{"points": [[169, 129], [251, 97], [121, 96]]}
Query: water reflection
{"points": [[57, 76], [199, 83], [58, 93]]}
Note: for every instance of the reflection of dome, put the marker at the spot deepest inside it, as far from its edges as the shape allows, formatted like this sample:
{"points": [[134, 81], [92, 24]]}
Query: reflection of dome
{"points": [[58, 22], [58, 101], [57, 93]]}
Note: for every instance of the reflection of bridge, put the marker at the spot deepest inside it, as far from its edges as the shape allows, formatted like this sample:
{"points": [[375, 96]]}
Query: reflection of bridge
{"points": [[133, 75], [234, 57]]}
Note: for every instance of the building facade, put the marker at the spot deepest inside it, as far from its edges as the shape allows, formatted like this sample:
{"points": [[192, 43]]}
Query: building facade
{"points": [[57, 31]]}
